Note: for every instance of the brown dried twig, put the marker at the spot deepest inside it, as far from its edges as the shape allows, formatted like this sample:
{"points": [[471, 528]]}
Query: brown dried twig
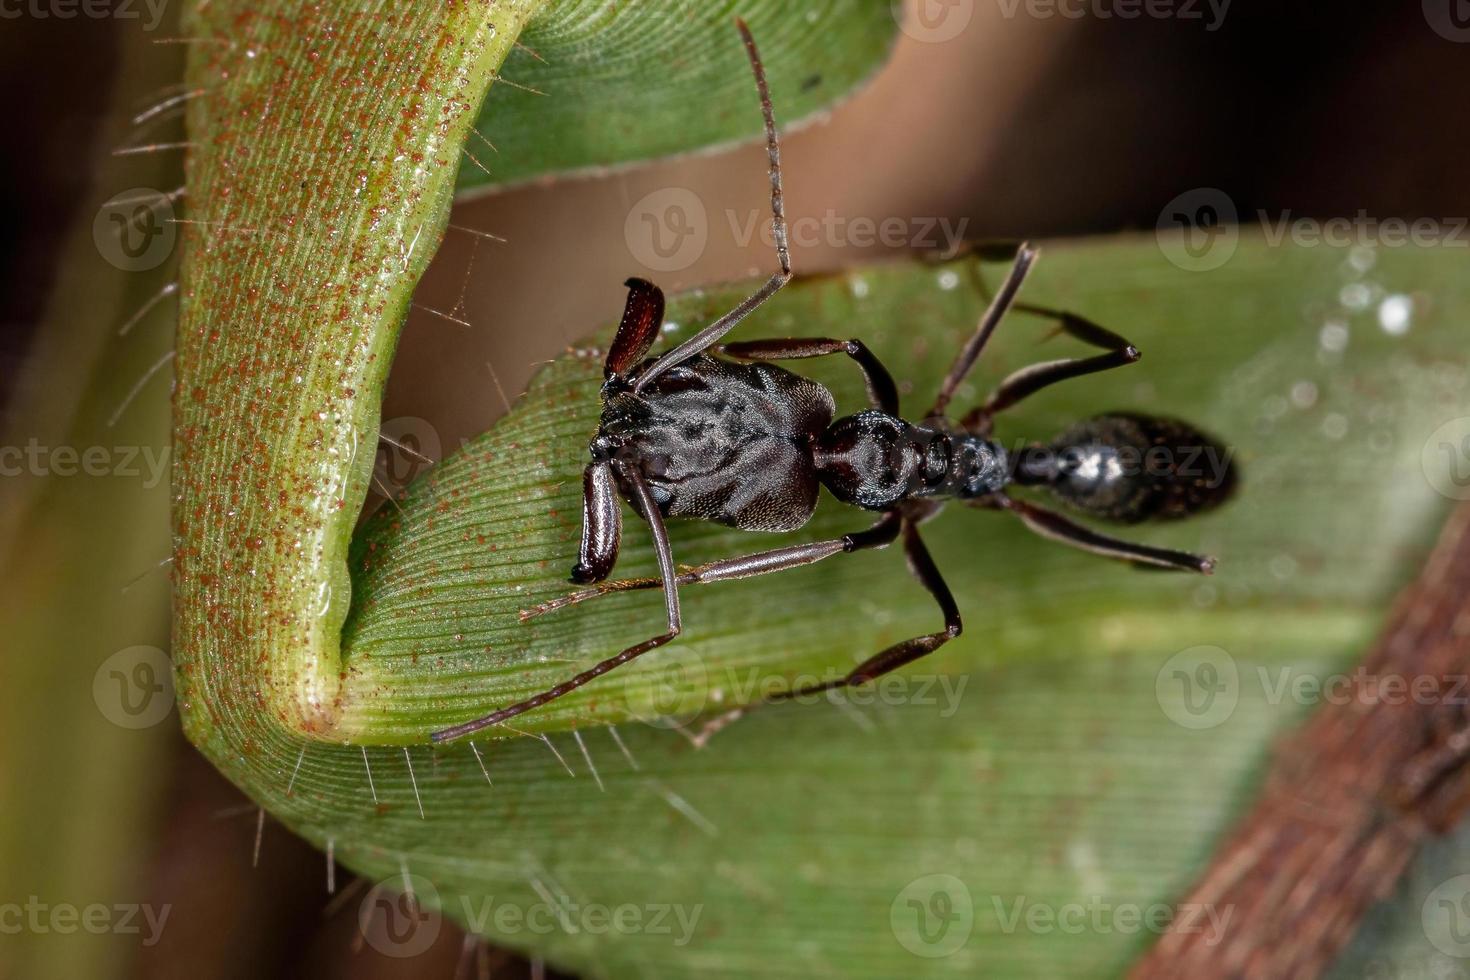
{"points": [[1349, 797]]}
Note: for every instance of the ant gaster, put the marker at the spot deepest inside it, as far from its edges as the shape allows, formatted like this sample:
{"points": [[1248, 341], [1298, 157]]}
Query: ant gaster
{"points": [[739, 441]]}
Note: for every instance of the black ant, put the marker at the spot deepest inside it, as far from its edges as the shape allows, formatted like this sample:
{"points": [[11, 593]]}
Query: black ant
{"points": [[741, 442]]}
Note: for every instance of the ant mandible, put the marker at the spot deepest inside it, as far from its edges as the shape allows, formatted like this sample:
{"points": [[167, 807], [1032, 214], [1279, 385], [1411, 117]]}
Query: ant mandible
{"points": [[737, 440]]}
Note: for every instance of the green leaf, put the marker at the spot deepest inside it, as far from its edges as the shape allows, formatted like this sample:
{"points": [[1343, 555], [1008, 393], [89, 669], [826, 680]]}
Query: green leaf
{"points": [[327, 145], [597, 84], [1073, 769]]}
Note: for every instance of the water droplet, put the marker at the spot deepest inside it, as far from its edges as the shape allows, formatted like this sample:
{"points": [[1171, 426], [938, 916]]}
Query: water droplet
{"points": [[859, 287], [1362, 258], [1355, 296], [1283, 567], [671, 327], [1394, 314], [1335, 426], [1274, 407], [1304, 394], [948, 279], [1333, 336]]}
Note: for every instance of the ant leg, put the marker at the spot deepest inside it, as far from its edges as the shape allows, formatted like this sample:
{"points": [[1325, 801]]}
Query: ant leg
{"points": [[995, 249], [602, 525], [923, 568], [997, 309], [882, 392], [880, 535], [1029, 380], [649, 508], [1050, 524], [711, 334], [900, 654]]}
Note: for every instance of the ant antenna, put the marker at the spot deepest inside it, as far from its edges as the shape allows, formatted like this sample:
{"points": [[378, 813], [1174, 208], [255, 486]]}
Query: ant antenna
{"points": [[711, 334], [773, 147]]}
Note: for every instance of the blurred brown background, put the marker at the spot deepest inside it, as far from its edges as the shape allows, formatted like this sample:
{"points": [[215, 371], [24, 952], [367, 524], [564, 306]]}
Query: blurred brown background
{"points": [[1021, 125]]}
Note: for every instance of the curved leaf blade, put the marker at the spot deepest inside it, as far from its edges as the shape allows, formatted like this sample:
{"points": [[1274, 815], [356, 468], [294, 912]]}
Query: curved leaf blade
{"points": [[598, 85]]}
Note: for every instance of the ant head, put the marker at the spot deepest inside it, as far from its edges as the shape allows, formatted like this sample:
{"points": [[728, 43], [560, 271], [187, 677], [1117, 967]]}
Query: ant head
{"points": [[1128, 468]]}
